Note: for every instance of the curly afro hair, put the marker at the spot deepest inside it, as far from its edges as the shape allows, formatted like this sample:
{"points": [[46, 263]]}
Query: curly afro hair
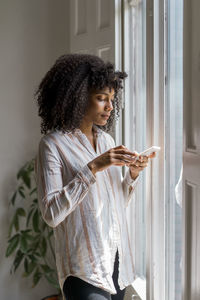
{"points": [[62, 95]]}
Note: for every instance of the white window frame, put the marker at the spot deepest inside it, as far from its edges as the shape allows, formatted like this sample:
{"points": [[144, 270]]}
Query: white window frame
{"points": [[158, 259], [155, 77], [133, 121]]}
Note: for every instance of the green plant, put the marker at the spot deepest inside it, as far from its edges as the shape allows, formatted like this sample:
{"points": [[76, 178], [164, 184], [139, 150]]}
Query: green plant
{"points": [[29, 237]]}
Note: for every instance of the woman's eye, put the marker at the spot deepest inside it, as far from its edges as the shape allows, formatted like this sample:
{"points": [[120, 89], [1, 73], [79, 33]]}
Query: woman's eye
{"points": [[102, 99]]}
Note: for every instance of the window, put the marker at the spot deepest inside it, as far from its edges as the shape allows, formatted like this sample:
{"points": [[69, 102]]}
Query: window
{"points": [[152, 115], [134, 116], [174, 142]]}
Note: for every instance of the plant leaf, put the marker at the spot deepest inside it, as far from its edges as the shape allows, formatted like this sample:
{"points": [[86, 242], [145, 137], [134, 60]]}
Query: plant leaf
{"points": [[44, 225], [26, 265], [36, 277], [26, 231], [43, 246], [22, 194], [33, 191], [13, 198], [12, 245], [26, 179], [52, 280], [33, 258], [25, 176], [13, 237], [27, 234], [29, 237], [21, 212], [31, 266], [10, 229], [23, 243], [29, 216], [36, 221], [18, 258], [47, 269], [20, 172], [16, 221]]}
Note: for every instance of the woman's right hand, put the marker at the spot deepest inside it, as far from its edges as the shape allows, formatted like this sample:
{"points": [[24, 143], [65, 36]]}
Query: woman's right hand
{"points": [[118, 156]]}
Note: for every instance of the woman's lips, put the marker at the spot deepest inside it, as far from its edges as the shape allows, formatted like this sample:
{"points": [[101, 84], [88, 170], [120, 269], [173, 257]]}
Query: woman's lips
{"points": [[105, 116]]}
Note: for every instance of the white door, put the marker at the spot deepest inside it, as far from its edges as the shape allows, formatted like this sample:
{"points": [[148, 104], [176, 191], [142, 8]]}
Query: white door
{"points": [[191, 154], [93, 30], [92, 27]]}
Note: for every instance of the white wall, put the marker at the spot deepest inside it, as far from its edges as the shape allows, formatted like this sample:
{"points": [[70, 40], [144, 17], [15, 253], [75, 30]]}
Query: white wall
{"points": [[33, 34]]}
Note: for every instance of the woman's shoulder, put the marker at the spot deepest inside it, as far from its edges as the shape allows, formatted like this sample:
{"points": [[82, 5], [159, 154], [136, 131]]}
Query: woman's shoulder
{"points": [[52, 137]]}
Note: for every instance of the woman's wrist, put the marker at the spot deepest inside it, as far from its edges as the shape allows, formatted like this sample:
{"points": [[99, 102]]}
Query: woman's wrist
{"points": [[92, 167], [134, 175]]}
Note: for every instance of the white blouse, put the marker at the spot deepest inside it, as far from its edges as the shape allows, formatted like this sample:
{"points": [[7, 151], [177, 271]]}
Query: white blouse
{"points": [[87, 211]]}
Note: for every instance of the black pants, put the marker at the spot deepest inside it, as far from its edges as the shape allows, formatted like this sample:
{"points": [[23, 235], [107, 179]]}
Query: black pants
{"points": [[75, 288]]}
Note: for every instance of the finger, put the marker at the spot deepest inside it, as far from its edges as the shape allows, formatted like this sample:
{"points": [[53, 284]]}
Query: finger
{"points": [[125, 149], [123, 157], [153, 154], [119, 162], [127, 152], [138, 169], [119, 147], [141, 165], [143, 158], [138, 165]]}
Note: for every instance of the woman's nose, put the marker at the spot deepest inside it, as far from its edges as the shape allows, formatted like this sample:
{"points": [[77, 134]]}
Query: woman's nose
{"points": [[109, 106]]}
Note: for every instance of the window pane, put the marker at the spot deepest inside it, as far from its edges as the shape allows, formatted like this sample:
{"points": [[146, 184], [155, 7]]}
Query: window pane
{"points": [[174, 136], [135, 127]]}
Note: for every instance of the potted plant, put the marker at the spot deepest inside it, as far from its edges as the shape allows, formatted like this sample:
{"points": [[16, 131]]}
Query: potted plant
{"points": [[30, 239]]}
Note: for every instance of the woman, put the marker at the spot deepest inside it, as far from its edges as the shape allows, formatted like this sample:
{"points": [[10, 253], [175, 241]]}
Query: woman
{"points": [[81, 191]]}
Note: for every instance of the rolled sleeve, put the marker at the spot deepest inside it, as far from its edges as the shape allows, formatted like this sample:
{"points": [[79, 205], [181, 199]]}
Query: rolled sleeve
{"points": [[56, 201], [129, 185], [87, 175]]}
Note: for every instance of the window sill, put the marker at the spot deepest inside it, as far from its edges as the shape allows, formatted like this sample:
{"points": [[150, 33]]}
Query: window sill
{"points": [[139, 286]]}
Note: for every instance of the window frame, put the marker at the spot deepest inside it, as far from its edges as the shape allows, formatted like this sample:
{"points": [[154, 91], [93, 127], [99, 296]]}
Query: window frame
{"points": [[158, 264], [156, 80], [155, 133]]}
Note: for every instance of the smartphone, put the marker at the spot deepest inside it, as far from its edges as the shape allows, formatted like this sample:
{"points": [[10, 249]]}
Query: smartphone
{"points": [[149, 151]]}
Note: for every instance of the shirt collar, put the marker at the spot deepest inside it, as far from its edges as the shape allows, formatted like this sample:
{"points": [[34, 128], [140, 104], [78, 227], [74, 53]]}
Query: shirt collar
{"points": [[96, 129]]}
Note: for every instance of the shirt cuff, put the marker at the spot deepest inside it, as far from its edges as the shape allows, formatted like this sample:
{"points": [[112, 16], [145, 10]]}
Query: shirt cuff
{"points": [[128, 179], [87, 175]]}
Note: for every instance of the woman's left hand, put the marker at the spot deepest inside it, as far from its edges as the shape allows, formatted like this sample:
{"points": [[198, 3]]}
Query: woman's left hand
{"points": [[137, 166]]}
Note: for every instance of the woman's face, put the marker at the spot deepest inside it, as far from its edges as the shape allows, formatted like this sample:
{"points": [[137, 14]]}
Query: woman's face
{"points": [[100, 105]]}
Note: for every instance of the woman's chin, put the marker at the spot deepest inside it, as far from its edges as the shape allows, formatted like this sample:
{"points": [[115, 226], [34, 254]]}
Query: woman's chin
{"points": [[101, 123]]}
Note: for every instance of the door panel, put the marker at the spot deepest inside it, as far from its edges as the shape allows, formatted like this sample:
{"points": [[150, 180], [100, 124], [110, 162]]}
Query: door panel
{"points": [[92, 31], [191, 153]]}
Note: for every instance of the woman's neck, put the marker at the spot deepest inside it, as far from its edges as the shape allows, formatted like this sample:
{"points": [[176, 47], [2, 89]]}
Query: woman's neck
{"points": [[86, 128]]}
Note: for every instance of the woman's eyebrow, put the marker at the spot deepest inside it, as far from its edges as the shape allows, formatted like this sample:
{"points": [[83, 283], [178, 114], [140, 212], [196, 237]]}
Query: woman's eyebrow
{"points": [[105, 93]]}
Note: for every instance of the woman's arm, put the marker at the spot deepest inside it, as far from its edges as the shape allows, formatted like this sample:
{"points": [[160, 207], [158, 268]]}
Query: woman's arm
{"points": [[56, 201], [128, 183]]}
